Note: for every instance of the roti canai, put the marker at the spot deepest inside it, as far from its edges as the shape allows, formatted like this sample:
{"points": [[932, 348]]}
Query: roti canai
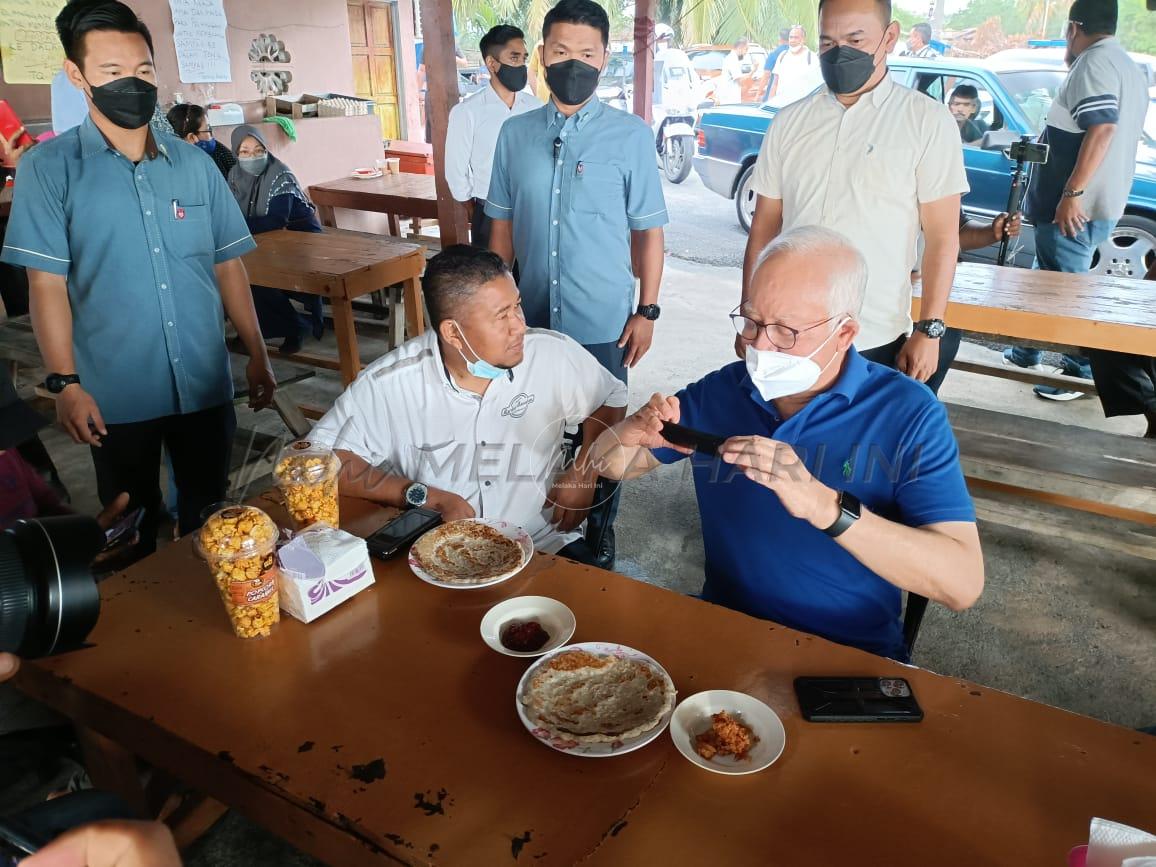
{"points": [[591, 698], [467, 552]]}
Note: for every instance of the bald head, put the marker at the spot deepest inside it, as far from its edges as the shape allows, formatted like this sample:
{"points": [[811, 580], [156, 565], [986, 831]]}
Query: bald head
{"points": [[807, 275]]}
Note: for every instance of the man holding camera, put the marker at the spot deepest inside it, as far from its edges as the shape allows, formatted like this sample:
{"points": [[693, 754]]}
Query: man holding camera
{"points": [[1076, 197]]}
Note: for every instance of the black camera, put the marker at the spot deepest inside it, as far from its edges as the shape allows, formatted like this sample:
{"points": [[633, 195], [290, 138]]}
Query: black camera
{"points": [[1025, 151], [49, 601]]}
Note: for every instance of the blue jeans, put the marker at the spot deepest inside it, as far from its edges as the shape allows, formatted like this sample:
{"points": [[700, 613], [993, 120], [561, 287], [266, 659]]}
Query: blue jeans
{"points": [[1055, 251]]}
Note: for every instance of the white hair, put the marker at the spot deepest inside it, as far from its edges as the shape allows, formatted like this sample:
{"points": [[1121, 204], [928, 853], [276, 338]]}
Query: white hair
{"points": [[848, 277]]}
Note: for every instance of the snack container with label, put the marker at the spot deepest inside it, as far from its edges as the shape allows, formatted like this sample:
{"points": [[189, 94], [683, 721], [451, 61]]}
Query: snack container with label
{"points": [[238, 544], [306, 473]]}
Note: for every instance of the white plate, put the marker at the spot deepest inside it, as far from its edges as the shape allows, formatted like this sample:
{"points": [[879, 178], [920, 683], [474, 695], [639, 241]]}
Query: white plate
{"points": [[365, 174], [692, 717], [510, 531], [595, 751], [552, 615]]}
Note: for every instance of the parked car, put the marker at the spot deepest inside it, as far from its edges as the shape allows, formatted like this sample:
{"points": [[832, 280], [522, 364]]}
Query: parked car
{"points": [[708, 62], [1014, 101]]}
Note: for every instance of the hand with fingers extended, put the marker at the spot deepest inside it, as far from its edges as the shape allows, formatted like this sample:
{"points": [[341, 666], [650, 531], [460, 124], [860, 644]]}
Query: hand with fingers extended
{"points": [[78, 414], [644, 428], [777, 467]]}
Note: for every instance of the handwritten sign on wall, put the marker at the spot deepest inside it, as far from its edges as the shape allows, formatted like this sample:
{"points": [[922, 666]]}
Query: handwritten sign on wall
{"points": [[199, 34], [29, 46]]}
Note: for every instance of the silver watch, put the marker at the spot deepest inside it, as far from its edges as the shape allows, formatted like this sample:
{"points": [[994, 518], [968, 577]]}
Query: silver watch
{"points": [[933, 328], [416, 495]]}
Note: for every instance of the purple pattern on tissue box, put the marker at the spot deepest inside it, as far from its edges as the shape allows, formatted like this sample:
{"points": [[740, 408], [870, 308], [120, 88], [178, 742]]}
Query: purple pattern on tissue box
{"points": [[323, 588]]}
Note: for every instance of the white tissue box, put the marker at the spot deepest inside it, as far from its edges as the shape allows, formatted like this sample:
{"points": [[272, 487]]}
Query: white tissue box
{"points": [[321, 568]]}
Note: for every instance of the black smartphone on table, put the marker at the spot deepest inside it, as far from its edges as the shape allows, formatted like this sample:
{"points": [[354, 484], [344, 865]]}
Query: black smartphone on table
{"points": [[401, 532], [689, 438], [857, 699]]}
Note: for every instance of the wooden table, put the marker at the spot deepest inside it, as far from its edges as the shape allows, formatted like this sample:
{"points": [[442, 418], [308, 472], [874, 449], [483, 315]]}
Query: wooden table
{"points": [[342, 266], [397, 196], [282, 728]]}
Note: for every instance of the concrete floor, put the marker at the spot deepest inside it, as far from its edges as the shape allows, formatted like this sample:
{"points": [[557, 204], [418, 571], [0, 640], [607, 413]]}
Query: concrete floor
{"points": [[1058, 623]]}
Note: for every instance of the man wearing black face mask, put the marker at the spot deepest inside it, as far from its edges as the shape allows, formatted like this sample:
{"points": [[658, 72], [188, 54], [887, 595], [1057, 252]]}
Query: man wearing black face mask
{"points": [[131, 240], [875, 161], [476, 121]]}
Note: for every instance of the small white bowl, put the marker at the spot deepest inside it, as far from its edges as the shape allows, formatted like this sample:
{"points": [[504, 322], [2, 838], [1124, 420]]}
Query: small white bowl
{"points": [[692, 717], [554, 617]]}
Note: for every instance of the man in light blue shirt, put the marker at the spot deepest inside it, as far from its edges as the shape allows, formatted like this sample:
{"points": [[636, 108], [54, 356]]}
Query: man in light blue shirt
{"points": [[131, 241], [576, 198]]}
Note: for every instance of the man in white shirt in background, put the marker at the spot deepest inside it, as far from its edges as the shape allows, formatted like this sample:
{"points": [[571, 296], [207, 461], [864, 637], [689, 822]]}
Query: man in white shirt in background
{"points": [[875, 161], [468, 419], [475, 122], [797, 70], [919, 42], [736, 65]]}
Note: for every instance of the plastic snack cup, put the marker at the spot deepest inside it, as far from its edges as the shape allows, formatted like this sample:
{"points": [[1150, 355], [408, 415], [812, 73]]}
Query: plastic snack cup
{"points": [[238, 544], [306, 473]]}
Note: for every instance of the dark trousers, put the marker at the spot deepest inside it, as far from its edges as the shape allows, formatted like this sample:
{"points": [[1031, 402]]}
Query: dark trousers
{"points": [[948, 349], [480, 225], [279, 318], [607, 492], [1126, 383], [199, 445], [13, 283]]}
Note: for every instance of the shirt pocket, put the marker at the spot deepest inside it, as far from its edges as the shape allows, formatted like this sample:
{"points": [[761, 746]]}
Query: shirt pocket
{"points": [[598, 188], [190, 230]]}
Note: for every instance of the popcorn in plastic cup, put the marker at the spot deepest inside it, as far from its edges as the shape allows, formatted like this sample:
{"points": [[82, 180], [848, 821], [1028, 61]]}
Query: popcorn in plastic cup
{"points": [[238, 543], [306, 473]]}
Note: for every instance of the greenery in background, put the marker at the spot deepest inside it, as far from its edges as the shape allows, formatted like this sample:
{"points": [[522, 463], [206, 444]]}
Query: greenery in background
{"points": [[1137, 27]]}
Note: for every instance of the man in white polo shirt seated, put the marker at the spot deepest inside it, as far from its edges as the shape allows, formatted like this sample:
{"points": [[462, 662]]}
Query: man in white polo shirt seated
{"points": [[468, 418]]}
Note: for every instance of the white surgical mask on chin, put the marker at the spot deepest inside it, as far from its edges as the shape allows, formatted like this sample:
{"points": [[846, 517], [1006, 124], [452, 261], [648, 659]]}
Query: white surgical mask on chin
{"points": [[778, 374]]}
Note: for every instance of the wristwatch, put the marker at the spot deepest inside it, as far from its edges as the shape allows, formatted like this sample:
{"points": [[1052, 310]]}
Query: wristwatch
{"points": [[649, 311], [848, 514], [416, 495], [1069, 193], [933, 328], [57, 382]]}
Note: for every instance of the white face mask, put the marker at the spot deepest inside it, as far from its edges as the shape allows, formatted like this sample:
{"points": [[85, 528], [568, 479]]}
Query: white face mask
{"points": [[779, 374]]}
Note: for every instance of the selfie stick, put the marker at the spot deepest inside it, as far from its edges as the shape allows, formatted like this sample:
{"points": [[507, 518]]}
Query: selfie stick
{"points": [[1015, 196]]}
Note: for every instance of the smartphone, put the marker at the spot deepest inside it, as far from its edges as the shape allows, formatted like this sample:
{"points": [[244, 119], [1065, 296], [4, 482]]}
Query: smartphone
{"points": [[857, 699], [10, 122], [703, 443], [16, 843], [402, 532], [123, 529]]}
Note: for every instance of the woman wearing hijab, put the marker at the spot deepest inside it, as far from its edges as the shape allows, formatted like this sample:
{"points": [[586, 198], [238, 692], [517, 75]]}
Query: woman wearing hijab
{"points": [[189, 122], [271, 198]]}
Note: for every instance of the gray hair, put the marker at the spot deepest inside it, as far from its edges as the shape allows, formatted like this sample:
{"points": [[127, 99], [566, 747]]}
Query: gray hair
{"points": [[848, 282]]}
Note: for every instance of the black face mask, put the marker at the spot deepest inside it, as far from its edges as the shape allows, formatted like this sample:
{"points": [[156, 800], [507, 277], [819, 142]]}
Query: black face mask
{"points": [[572, 82], [128, 102], [846, 69], [513, 78]]}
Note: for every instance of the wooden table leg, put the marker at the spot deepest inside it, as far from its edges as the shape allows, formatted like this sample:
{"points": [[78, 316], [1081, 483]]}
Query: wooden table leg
{"points": [[326, 216], [414, 307], [394, 225], [114, 769], [346, 339]]}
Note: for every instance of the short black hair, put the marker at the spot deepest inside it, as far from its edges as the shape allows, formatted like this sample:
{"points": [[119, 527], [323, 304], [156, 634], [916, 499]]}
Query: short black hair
{"points": [[453, 275], [742, 40], [80, 17], [185, 118], [883, 6], [924, 30], [964, 91], [1095, 16], [784, 34], [585, 12], [497, 38]]}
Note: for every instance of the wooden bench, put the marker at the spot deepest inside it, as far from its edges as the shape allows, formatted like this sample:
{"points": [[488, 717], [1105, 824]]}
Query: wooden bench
{"points": [[1062, 468]]}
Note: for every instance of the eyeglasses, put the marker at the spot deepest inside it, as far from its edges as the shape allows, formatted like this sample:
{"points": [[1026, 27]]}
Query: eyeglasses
{"points": [[206, 131], [781, 336]]}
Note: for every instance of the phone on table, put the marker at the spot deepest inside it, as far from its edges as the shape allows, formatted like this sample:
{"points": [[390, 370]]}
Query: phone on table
{"points": [[689, 438], [402, 532], [857, 699], [122, 530], [9, 123]]}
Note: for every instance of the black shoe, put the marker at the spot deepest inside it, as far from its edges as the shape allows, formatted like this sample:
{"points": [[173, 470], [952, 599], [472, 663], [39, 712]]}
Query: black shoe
{"points": [[292, 344], [604, 555]]}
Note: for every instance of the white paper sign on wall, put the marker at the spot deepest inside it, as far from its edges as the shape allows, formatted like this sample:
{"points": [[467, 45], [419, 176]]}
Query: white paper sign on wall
{"points": [[199, 34]]}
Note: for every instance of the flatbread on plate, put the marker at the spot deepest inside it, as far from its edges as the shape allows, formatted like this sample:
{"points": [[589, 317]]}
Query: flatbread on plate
{"points": [[466, 552]]}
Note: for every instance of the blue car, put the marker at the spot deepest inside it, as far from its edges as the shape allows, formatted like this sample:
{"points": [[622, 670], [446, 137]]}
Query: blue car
{"points": [[1014, 98]]}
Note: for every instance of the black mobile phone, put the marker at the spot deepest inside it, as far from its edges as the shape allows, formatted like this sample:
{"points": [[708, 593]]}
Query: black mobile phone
{"points": [[857, 699], [689, 438], [16, 843], [123, 529], [401, 532]]}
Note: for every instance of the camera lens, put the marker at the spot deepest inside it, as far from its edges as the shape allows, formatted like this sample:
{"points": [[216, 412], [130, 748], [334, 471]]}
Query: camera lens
{"points": [[48, 597]]}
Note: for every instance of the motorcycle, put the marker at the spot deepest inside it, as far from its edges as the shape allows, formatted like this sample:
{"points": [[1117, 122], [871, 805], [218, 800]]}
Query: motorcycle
{"points": [[674, 141]]}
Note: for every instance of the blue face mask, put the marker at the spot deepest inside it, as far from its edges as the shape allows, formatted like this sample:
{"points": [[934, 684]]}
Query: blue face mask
{"points": [[481, 369], [207, 146]]}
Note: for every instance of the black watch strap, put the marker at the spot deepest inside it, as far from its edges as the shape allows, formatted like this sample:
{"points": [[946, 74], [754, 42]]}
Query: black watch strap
{"points": [[57, 382], [849, 510], [649, 311]]}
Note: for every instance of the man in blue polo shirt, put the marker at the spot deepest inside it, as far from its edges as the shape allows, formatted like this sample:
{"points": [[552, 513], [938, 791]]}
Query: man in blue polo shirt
{"points": [[838, 485], [131, 241]]}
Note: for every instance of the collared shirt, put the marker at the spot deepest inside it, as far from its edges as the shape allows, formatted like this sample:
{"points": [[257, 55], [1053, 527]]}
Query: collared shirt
{"points": [[498, 451], [1104, 86], [875, 433], [864, 171], [925, 52], [472, 136], [575, 188], [799, 74], [137, 244]]}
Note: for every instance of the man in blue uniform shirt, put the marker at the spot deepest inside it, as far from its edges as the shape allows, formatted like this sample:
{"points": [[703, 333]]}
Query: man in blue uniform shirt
{"points": [[838, 485]]}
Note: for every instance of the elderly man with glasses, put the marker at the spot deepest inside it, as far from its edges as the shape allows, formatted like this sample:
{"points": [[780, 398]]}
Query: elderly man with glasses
{"points": [[834, 482]]}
